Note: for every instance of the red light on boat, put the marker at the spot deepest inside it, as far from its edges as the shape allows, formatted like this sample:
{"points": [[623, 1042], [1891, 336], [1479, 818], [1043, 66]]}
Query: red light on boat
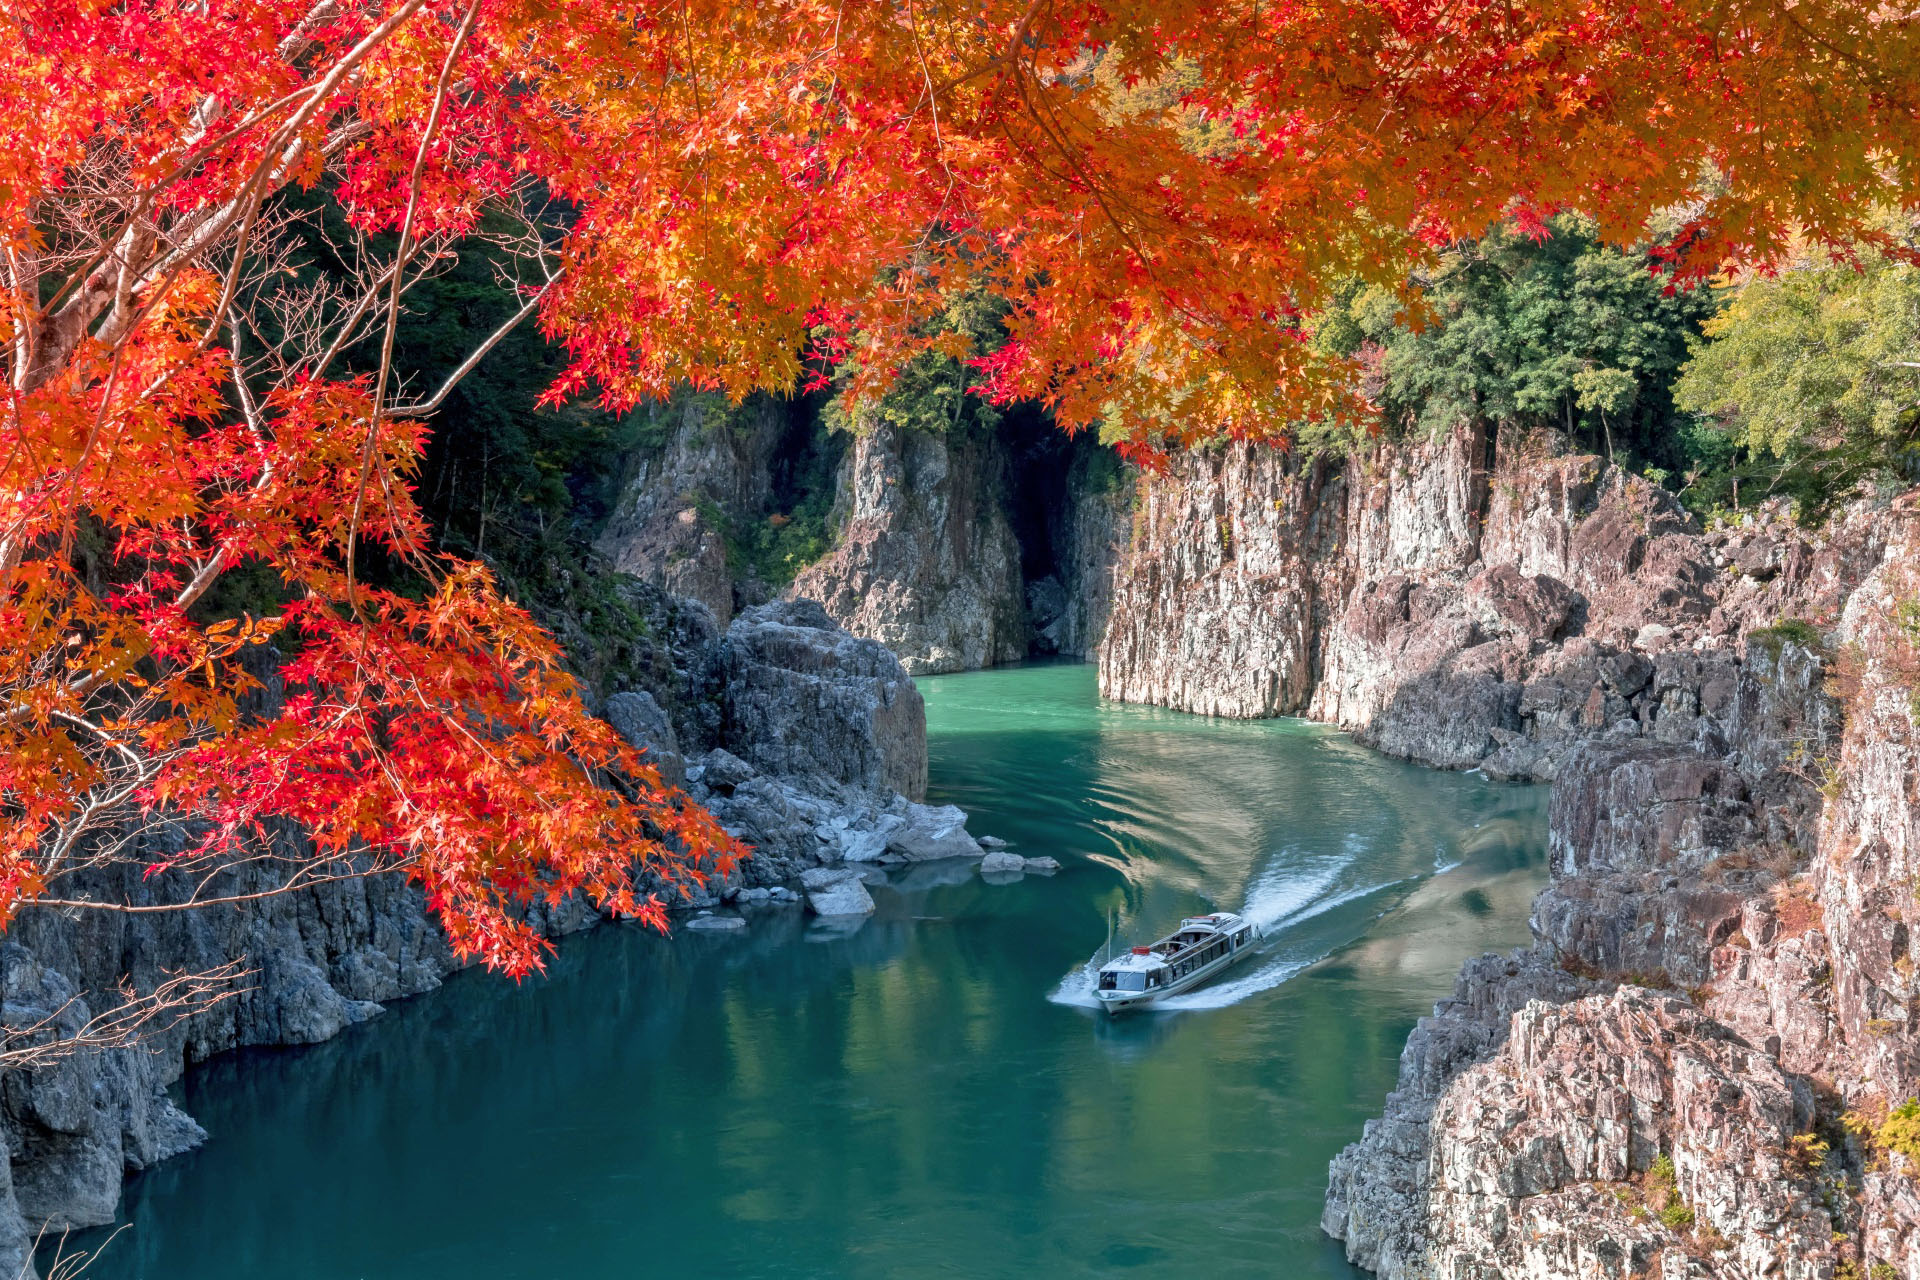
{"points": [[1143, 951]]}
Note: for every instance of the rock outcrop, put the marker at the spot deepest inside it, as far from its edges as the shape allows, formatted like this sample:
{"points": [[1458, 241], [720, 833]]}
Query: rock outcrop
{"points": [[925, 559], [712, 466], [803, 740], [1722, 975], [1218, 602]]}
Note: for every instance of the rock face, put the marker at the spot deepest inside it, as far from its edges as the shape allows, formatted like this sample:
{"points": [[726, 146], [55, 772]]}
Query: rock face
{"points": [[798, 734], [1090, 525], [1723, 971], [1459, 601], [712, 465], [1594, 1092], [926, 560], [1216, 604], [956, 549], [803, 698]]}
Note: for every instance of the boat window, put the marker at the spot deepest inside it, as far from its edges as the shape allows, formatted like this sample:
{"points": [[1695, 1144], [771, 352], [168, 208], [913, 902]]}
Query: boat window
{"points": [[1106, 981], [1130, 981]]}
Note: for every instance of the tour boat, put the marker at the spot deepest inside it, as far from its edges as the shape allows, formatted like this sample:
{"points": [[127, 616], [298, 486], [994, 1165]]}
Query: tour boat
{"points": [[1199, 949]]}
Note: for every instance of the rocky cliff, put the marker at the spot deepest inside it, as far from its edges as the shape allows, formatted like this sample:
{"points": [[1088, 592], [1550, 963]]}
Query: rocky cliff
{"points": [[1460, 601], [807, 742], [1692, 1071], [925, 560], [1222, 592], [958, 549], [709, 466], [1699, 1069]]}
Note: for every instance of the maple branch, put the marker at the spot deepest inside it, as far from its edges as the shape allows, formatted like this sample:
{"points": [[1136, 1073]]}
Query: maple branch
{"points": [[302, 878], [65, 327], [474, 357], [393, 303], [64, 1265]]}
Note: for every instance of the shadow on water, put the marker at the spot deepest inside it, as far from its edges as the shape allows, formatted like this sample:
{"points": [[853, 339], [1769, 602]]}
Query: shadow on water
{"points": [[906, 1099]]}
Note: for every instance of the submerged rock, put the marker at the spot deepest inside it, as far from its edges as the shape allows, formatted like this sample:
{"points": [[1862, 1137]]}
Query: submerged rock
{"points": [[718, 924]]}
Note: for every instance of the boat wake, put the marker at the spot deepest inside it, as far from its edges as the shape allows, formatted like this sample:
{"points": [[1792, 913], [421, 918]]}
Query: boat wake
{"points": [[1278, 902]]}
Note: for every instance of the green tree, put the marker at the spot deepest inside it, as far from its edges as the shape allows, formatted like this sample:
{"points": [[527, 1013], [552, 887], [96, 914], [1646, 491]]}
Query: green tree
{"points": [[930, 393], [1561, 331], [1815, 374]]}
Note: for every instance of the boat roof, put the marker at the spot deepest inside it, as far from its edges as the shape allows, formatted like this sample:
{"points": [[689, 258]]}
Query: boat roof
{"points": [[1192, 930]]}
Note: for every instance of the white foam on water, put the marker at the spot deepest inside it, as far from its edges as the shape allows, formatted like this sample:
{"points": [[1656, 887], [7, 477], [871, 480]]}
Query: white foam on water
{"points": [[1276, 904], [1279, 893]]}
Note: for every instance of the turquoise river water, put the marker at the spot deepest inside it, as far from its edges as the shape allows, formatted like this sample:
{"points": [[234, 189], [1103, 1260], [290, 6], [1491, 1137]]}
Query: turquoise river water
{"points": [[926, 1096]]}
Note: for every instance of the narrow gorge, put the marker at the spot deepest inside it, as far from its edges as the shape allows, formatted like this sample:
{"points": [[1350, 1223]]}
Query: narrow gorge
{"points": [[627, 632], [1719, 985], [1719, 980]]}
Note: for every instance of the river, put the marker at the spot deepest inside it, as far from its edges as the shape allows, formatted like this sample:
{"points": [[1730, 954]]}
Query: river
{"points": [[926, 1095]]}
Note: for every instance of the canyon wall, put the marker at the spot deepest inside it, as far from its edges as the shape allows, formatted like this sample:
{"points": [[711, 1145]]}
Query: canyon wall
{"points": [[805, 741], [1459, 601], [925, 560], [1690, 1073], [710, 465], [957, 549]]}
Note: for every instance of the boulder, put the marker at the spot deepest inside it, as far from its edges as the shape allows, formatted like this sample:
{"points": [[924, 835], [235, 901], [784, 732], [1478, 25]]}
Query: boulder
{"points": [[720, 770], [869, 844], [1001, 862], [837, 891], [1043, 864], [717, 924], [927, 832], [835, 713]]}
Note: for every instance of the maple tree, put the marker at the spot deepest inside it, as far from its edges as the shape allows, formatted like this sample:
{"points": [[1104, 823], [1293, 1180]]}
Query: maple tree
{"points": [[1161, 192]]}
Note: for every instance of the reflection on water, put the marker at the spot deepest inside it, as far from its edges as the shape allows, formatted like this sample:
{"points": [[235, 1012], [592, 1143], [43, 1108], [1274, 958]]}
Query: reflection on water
{"points": [[903, 1099]]}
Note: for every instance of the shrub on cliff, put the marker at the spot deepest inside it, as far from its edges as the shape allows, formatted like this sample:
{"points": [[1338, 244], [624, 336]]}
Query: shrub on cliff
{"points": [[1901, 1130]]}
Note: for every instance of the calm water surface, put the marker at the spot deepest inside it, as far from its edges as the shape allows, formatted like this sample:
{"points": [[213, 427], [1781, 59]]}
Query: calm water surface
{"points": [[926, 1096]]}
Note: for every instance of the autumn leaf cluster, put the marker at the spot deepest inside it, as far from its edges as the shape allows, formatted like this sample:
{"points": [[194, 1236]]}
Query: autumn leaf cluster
{"points": [[728, 196]]}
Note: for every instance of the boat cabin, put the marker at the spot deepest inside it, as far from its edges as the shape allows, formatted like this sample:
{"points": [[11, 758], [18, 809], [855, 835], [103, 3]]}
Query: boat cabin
{"points": [[1200, 942]]}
